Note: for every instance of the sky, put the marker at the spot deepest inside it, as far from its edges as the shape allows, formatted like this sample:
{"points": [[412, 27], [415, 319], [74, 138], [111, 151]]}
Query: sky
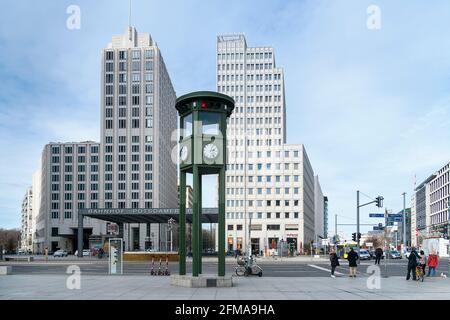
{"points": [[371, 106]]}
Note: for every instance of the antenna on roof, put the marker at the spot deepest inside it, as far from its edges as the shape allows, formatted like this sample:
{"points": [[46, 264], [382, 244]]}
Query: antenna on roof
{"points": [[129, 16]]}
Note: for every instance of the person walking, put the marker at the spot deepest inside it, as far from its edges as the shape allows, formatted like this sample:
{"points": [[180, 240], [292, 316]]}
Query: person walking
{"points": [[334, 260], [432, 263], [422, 261], [378, 255], [352, 257], [412, 264]]}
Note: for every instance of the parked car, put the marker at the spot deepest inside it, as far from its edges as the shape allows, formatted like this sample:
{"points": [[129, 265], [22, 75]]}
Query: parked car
{"points": [[394, 254], [364, 254], [60, 253], [86, 253]]}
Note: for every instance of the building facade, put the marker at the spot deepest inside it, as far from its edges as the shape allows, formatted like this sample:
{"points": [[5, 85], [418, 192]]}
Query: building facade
{"points": [[440, 201], [69, 181], [269, 184], [318, 212], [138, 121], [325, 217], [26, 234]]}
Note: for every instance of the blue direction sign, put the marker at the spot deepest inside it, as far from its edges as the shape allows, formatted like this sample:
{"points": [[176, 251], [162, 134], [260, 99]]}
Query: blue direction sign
{"points": [[376, 215], [378, 228]]}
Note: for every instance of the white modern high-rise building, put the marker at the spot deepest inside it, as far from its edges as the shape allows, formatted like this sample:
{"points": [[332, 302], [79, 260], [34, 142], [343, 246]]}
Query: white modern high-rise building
{"points": [[430, 216], [36, 190], [69, 181], [440, 200], [269, 184], [138, 119], [26, 235], [319, 212]]}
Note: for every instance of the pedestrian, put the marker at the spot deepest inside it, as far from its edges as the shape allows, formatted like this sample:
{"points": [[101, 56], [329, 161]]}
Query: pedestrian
{"points": [[432, 263], [352, 257], [334, 260], [422, 261], [378, 255], [412, 264], [235, 253]]}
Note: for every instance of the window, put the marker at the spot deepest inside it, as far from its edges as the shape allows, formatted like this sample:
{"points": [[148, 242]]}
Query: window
{"points": [[210, 122], [239, 227], [230, 227], [55, 232], [273, 227], [187, 125]]}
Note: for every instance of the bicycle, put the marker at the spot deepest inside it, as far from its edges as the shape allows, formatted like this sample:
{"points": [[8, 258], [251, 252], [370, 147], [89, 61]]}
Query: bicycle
{"points": [[419, 273], [247, 266]]}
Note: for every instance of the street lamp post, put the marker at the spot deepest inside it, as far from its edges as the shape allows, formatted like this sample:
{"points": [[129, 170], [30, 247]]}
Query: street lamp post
{"points": [[404, 222], [170, 222]]}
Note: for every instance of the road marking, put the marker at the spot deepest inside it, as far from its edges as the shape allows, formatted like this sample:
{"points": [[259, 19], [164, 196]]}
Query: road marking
{"points": [[324, 269]]}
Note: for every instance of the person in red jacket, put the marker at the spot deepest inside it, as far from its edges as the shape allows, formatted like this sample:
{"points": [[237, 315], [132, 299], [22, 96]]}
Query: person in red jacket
{"points": [[432, 264]]}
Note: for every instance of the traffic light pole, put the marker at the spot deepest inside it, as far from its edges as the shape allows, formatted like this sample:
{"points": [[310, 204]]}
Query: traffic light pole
{"points": [[357, 224]]}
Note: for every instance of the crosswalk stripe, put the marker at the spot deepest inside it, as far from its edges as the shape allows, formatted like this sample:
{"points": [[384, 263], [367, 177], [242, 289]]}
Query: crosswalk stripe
{"points": [[324, 269]]}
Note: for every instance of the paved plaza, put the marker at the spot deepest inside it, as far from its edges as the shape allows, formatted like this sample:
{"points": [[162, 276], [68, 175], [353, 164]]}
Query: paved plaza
{"points": [[251, 288]]}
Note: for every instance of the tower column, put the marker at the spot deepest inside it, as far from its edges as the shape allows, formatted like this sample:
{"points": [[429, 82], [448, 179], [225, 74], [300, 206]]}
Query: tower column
{"points": [[195, 224], [221, 222], [182, 224]]}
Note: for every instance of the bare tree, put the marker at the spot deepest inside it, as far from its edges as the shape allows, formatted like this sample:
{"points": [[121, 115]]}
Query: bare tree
{"points": [[9, 239]]}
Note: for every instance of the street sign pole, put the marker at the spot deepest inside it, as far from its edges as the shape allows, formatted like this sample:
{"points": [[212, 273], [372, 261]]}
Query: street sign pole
{"points": [[357, 223]]}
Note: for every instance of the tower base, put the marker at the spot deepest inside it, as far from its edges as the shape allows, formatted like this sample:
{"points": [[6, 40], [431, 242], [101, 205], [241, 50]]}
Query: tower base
{"points": [[202, 281]]}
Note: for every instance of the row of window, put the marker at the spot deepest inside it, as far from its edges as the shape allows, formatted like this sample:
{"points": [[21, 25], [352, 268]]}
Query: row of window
{"points": [[240, 55], [135, 123], [261, 203], [240, 66], [263, 215], [69, 149], [69, 187], [135, 54], [69, 177], [68, 168], [249, 77]]}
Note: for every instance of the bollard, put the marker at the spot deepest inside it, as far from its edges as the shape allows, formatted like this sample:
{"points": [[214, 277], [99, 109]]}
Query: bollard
{"points": [[152, 272], [159, 268], [167, 272]]}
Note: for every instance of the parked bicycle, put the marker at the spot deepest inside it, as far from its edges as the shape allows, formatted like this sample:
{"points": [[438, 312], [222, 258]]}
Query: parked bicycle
{"points": [[419, 273], [248, 266]]}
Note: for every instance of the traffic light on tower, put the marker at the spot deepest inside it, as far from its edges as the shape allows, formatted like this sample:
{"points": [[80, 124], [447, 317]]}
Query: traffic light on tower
{"points": [[354, 236], [359, 235], [379, 201]]}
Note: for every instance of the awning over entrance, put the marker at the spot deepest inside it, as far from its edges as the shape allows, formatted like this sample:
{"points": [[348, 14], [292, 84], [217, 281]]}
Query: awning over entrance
{"points": [[152, 215]]}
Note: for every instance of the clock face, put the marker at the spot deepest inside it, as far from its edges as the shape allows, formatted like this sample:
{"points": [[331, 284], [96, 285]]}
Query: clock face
{"points": [[183, 153], [210, 151]]}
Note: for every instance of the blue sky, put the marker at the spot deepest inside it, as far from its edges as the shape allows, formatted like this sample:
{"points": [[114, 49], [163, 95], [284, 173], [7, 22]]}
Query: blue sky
{"points": [[371, 106]]}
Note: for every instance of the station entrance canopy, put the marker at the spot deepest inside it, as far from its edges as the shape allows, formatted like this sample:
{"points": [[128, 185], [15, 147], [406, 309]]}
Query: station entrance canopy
{"points": [[150, 215]]}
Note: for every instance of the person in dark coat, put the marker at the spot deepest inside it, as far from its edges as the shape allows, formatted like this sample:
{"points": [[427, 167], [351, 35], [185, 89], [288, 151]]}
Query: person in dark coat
{"points": [[412, 264], [352, 257], [378, 255], [334, 260]]}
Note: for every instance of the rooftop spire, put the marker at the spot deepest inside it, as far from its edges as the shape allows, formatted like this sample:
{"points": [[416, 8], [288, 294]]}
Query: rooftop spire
{"points": [[129, 16]]}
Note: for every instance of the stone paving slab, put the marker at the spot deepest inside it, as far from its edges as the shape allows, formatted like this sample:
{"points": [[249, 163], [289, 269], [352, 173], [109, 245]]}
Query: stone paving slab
{"points": [[252, 288]]}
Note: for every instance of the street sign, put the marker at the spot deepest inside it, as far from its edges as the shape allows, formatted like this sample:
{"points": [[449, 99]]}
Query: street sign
{"points": [[376, 215], [369, 244], [378, 228]]}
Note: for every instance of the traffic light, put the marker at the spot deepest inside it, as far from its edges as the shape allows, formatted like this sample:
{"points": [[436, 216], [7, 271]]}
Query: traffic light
{"points": [[379, 201], [359, 235], [354, 236]]}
